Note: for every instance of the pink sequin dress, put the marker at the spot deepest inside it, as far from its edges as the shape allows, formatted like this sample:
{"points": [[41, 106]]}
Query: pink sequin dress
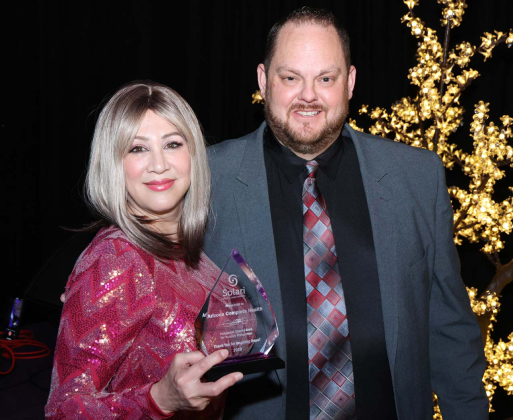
{"points": [[126, 316]]}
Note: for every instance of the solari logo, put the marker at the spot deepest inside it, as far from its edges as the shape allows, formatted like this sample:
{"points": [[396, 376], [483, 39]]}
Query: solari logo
{"points": [[233, 281]]}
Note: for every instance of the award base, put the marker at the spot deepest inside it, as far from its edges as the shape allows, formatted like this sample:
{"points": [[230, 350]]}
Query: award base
{"points": [[251, 363]]}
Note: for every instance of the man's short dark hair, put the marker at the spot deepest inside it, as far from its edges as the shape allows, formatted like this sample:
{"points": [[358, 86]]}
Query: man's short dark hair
{"points": [[301, 16]]}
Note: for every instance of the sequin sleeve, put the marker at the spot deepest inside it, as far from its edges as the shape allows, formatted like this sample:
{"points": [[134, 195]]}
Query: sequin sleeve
{"points": [[110, 298]]}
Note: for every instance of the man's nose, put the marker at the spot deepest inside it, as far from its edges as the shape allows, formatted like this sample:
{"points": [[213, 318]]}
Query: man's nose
{"points": [[308, 92]]}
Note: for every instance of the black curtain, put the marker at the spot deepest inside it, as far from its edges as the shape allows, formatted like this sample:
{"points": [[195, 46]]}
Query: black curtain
{"points": [[61, 60]]}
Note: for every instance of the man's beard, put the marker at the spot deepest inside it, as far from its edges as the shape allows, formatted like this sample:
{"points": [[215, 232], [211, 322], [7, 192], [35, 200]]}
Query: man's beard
{"points": [[305, 143]]}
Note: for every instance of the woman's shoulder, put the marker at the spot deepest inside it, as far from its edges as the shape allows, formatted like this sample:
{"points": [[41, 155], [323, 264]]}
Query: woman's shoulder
{"points": [[185, 280], [207, 268], [107, 235], [112, 250], [108, 241], [207, 271], [207, 264]]}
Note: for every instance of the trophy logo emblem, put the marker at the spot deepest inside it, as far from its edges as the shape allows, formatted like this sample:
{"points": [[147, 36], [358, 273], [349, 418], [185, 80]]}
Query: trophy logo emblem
{"points": [[233, 280]]}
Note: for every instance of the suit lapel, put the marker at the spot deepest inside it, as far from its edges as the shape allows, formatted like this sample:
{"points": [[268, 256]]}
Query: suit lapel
{"points": [[382, 215], [253, 209]]}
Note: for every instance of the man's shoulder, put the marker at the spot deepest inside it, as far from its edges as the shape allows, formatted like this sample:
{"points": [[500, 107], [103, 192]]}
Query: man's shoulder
{"points": [[232, 145], [383, 144], [392, 151], [220, 150], [228, 155]]}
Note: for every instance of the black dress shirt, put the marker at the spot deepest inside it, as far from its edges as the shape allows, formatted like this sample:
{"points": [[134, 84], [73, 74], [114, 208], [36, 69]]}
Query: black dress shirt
{"points": [[339, 181]]}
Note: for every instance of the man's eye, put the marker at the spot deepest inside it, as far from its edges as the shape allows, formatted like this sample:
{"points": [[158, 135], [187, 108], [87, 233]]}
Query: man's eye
{"points": [[326, 79], [290, 78], [137, 149]]}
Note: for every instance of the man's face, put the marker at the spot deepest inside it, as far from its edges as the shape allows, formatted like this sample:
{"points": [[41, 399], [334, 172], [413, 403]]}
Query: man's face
{"points": [[307, 88]]}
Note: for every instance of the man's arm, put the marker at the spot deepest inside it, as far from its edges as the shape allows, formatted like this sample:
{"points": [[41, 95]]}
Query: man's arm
{"points": [[456, 347]]}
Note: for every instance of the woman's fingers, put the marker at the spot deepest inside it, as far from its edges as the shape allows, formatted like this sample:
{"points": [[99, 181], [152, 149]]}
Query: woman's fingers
{"points": [[182, 388], [184, 359], [204, 364], [213, 389]]}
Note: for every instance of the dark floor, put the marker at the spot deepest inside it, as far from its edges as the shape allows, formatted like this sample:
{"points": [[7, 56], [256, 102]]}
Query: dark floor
{"points": [[23, 392]]}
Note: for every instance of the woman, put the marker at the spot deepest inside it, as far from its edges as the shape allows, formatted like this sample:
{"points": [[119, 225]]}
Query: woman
{"points": [[126, 344]]}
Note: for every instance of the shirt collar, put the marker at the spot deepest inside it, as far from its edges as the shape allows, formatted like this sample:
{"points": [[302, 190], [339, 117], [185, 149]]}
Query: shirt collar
{"points": [[292, 165]]}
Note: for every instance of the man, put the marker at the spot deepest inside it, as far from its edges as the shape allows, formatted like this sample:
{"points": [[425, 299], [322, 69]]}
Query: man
{"points": [[351, 236]]}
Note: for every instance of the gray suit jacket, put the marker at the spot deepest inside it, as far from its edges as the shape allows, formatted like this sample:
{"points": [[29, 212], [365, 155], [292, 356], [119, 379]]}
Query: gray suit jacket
{"points": [[432, 337]]}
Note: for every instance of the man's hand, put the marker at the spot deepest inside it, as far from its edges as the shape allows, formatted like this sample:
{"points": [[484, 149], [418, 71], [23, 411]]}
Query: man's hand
{"points": [[181, 387]]}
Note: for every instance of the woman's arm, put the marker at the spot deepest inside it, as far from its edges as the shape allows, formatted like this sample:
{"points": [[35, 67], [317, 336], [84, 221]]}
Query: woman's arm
{"points": [[97, 331], [110, 298]]}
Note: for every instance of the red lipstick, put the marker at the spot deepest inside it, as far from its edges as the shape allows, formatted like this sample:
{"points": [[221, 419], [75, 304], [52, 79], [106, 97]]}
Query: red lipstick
{"points": [[160, 185]]}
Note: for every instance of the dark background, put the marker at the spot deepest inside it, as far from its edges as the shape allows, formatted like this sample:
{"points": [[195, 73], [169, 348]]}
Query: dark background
{"points": [[62, 59]]}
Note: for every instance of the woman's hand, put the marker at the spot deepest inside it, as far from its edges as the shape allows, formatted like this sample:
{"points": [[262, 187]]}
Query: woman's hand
{"points": [[181, 387]]}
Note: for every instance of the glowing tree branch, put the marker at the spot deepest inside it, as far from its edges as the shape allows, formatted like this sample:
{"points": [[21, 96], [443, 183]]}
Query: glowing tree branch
{"points": [[427, 121]]}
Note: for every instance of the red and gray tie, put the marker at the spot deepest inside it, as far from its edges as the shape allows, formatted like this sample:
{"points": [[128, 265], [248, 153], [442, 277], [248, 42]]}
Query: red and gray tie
{"points": [[329, 347]]}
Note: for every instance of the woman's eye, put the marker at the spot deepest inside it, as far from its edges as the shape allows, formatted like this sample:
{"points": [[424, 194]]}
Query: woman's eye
{"points": [[173, 145], [137, 149]]}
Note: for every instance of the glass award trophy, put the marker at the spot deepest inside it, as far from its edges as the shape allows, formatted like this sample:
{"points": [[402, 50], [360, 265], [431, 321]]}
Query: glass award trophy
{"points": [[238, 316]]}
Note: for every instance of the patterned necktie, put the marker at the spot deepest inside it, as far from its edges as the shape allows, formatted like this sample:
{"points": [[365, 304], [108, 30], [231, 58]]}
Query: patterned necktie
{"points": [[329, 348]]}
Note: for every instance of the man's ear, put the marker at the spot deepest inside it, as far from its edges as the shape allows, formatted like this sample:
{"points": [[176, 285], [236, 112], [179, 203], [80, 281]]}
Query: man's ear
{"points": [[351, 80], [262, 79]]}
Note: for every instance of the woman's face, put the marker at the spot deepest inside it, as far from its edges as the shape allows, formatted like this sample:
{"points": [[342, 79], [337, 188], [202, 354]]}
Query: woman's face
{"points": [[158, 170]]}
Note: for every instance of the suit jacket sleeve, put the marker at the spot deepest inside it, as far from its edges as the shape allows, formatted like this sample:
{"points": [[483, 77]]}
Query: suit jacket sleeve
{"points": [[456, 347]]}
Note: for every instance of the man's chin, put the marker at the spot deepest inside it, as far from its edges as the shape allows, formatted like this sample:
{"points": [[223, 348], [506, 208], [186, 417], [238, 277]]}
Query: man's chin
{"points": [[305, 140], [311, 144], [310, 137]]}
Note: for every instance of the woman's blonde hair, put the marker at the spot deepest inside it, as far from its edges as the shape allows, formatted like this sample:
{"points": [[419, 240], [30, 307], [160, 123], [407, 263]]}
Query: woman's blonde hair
{"points": [[115, 130]]}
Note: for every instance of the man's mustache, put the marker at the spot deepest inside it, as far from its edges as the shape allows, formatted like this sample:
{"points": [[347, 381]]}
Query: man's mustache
{"points": [[311, 107]]}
